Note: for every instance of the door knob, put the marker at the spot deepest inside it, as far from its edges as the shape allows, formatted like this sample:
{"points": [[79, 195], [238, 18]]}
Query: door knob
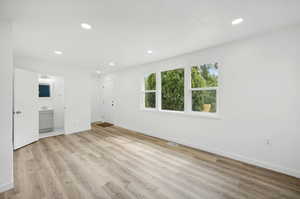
{"points": [[18, 112]]}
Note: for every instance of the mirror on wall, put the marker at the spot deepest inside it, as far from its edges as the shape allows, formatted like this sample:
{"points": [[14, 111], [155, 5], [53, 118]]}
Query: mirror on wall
{"points": [[44, 90]]}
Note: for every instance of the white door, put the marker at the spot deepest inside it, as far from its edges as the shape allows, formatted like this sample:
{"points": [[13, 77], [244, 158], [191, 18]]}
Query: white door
{"points": [[26, 111], [108, 102]]}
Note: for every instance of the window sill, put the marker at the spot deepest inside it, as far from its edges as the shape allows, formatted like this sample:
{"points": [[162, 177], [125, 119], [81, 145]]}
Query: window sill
{"points": [[149, 109], [214, 116]]}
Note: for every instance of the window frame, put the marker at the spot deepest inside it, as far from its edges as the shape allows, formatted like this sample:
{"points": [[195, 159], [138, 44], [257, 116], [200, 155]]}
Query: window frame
{"points": [[160, 89], [50, 90], [203, 89], [187, 92], [144, 91]]}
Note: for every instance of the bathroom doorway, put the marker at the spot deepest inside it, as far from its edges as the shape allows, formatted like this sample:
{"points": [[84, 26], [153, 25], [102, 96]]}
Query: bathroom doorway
{"points": [[51, 102], [39, 107]]}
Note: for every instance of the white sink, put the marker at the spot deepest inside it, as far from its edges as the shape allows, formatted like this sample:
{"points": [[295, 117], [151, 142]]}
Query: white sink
{"points": [[45, 108]]}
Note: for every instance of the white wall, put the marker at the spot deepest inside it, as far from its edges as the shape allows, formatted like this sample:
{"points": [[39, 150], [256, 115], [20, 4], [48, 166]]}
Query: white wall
{"points": [[78, 102], [259, 96], [59, 102], [6, 79], [96, 99]]}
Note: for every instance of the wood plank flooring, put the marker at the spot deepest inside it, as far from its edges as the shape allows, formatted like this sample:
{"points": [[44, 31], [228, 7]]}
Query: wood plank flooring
{"points": [[120, 164]]}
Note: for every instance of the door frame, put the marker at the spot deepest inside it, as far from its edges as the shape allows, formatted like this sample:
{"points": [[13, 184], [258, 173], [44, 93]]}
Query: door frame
{"points": [[14, 107], [109, 101]]}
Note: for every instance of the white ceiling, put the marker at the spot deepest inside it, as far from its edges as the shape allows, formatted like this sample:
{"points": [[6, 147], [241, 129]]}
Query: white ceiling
{"points": [[123, 30]]}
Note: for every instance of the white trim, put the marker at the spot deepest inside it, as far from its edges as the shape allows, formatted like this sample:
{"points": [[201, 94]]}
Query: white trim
{"points": [[190, 89], [158, 88], [26, 142], [204, 89], [182, 113], [144, 91], [52, 133], [149, 91], [187, 93], [6, 187], [262, 164], [250, 161], [74, 132], [169, 67]]}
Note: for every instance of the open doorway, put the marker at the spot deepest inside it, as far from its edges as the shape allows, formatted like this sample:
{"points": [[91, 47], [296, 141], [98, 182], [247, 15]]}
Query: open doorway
{"points": [[51, 102], [38, 107]]}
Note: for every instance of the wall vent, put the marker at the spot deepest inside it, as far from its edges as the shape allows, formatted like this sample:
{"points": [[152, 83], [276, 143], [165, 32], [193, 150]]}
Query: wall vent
{"points": [[172, 144]]}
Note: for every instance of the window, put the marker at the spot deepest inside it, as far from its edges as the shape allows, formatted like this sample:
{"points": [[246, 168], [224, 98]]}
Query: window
{"points": [[44, 90], [190, 90], [172, 90], [204, 87], [150, 91]]}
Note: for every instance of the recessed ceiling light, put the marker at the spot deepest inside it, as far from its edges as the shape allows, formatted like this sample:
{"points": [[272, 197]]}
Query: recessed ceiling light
{"points": [[98, 72], [149, 52], [86, 26], [112, 63], [45, 77], [58, 52], [237, 21]]}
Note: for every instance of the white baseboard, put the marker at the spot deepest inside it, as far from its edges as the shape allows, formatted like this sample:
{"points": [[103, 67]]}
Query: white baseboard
{"points": [[254, 162], [98, 120], [266, 165], [25, 143], [6, 187], [50, 134], [73, 132]]}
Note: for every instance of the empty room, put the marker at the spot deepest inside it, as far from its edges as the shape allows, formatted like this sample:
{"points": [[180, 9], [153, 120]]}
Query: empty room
{"points": [[157, 99]]}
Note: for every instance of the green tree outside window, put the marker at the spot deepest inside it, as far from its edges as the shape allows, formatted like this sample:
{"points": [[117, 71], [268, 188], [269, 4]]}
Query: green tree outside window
{"points": [[206, 77], [150, 85], [172, 86]]}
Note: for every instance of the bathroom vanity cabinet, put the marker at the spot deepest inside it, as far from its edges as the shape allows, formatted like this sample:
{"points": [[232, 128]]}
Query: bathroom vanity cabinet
{"points": [[46, 121]]}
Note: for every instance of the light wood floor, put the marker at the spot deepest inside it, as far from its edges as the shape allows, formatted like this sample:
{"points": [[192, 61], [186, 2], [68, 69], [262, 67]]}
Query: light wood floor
{"points": [[116, 163]]}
